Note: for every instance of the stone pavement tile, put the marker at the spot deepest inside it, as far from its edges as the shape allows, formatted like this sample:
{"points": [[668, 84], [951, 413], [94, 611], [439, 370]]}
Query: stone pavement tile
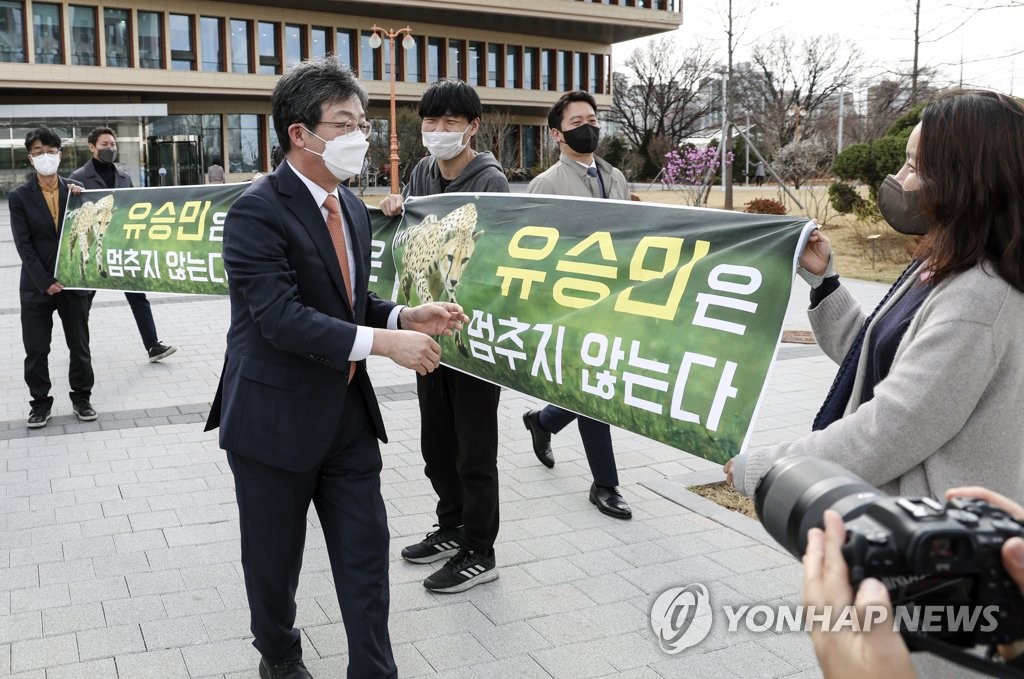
{"points": [[605, 589], [590, 539], [520, 667], [120, 565], [409, 661], [768, 584], [231, 624], [627, 651], [412, 626], [104, 525], [46, 652], [5, 660], [135, 610], [553, 571], [110, 641], [688, 665], [167, 664], [744, 559], [95, 669], [793, 647], [73, 618], [156, 582], [548, 546], [141, 521], [525, 529], [101, 589], [139, 541], [89, 547], [514, 639], [201, 577], [639, 673], [572, 661], [453, 652], [751, 660], [26, 575], [192, 602], [235, 655], [39, 598], [20, 626], [173, 633], [327, 640]]}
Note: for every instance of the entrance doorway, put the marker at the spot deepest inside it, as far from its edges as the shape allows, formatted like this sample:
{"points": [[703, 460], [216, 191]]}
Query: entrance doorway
{"points": [[175, 160]]}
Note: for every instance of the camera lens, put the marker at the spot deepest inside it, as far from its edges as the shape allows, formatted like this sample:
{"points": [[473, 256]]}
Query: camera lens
{"points": [[794, 494]]}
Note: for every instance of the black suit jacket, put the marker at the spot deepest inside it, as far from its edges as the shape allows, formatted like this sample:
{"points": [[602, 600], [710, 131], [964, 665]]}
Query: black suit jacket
{"points": [[37, 238], [91, 179], [285, 376]]}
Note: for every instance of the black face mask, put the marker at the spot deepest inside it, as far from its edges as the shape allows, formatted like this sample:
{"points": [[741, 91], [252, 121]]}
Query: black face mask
{"points": [[582, 139], [900, 210], [107, 155]]}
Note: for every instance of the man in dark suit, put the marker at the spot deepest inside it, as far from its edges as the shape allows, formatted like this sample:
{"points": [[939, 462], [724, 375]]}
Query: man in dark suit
{"points": [[37, 213], [101, 173], [298, 416]]}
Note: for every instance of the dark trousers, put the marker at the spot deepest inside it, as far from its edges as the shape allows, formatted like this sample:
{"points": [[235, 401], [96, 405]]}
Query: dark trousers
{"points": [[459, 437], [37, 334], [143, 317], [272, 508], [597, 442]]}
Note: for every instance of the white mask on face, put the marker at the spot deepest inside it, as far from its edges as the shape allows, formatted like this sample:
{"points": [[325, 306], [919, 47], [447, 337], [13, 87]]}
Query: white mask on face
{"points": [[46, 164], [343, 155], [445, 145]]}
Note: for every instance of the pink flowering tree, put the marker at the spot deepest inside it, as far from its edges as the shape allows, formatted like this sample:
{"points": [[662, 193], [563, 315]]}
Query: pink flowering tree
{"points": [[693, 170]]}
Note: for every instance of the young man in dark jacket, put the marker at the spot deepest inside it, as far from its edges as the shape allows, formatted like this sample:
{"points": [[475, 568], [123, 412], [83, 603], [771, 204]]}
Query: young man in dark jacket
{"points": [[459, 413], [100, 172], [37, 213]]}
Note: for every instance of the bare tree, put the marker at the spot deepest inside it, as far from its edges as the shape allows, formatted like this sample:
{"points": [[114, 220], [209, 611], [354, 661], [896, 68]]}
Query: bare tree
{"points": [[661, 97], [787, 84], [495, 135]]}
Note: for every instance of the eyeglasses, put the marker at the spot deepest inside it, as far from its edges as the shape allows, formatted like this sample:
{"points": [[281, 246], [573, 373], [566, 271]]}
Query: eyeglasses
{"points": [[44, 152], [350, 126]]}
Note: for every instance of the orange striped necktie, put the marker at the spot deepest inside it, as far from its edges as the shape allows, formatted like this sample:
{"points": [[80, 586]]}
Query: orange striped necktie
{"points": [[336, 228]]}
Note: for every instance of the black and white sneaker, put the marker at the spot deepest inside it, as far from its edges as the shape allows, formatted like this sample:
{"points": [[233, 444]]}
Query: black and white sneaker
{"points": [[464, 570], [159, 352], [443, 543]]}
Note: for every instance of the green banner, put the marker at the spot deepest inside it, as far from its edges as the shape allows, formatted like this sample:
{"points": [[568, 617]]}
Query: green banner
{"points": [[658, 319]]}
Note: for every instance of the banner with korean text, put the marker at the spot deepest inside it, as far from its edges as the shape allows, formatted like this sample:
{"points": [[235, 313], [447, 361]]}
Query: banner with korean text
{"points": [[662, 320]]}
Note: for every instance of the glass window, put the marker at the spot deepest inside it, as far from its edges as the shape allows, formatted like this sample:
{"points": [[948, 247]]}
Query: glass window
{"points": [[435, 59], [83, 35], [581, 71], [546, 81], [151, 40], [475, 63], [529, 66], [595, 73], [117, 36], [385, 55], [211, 31], [12, 31], [493, 55], [212, 138], [270, 55], [346, 43], [241, 32], [368, 69], [564, 68], [413, 72], [245, 153], [320, 45], [183, 52], [512, 64], [455, 49], [47, 32], [294, 44]]}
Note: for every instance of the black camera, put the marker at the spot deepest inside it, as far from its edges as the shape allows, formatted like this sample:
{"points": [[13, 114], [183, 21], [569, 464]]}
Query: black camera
{"points": [[941, 562]]}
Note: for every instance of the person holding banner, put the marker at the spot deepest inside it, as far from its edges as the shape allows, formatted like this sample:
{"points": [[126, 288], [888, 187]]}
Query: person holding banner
{"points": [[101, 173], [37, 217], [929, 387], [458, 412], [298, 416], [573, 124]]}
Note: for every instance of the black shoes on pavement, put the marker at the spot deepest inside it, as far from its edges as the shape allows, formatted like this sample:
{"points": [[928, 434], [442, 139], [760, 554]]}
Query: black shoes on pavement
{"points": [[443, 543], [159, 352], [541, 438], [85, 412], [38, 417], [464, 570], [291, 669], [609, 501]]}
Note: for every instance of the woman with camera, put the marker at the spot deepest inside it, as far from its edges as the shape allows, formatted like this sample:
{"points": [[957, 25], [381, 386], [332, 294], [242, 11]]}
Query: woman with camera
{"points": [[929, 388]]}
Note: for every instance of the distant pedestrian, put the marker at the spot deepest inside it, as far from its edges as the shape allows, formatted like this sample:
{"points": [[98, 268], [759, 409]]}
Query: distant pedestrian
{"points": [[215, 173], [760, 171]]}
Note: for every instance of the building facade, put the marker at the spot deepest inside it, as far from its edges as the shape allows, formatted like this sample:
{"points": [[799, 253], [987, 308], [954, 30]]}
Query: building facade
{"points": [[186, 83]]}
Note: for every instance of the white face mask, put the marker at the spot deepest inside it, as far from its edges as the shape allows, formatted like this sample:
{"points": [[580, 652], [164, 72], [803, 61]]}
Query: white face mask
{"points": [[343, 155], [46, 164], [445, 145]]}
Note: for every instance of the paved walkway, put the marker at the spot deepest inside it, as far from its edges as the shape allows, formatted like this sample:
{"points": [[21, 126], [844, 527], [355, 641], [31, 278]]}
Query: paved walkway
{"points": [[119, 551]]}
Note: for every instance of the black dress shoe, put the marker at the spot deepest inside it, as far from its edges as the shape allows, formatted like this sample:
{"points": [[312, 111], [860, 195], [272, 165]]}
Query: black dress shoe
{"points": [[290, 669], [541, 438], [84, 410], [610, 502]]}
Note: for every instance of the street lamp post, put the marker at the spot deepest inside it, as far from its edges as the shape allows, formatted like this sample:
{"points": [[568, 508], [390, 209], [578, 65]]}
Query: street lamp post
{"points": [[408, 43]]}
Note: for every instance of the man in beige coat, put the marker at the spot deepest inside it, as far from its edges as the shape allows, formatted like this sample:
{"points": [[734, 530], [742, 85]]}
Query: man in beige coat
{"points": [[574, 126]]}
